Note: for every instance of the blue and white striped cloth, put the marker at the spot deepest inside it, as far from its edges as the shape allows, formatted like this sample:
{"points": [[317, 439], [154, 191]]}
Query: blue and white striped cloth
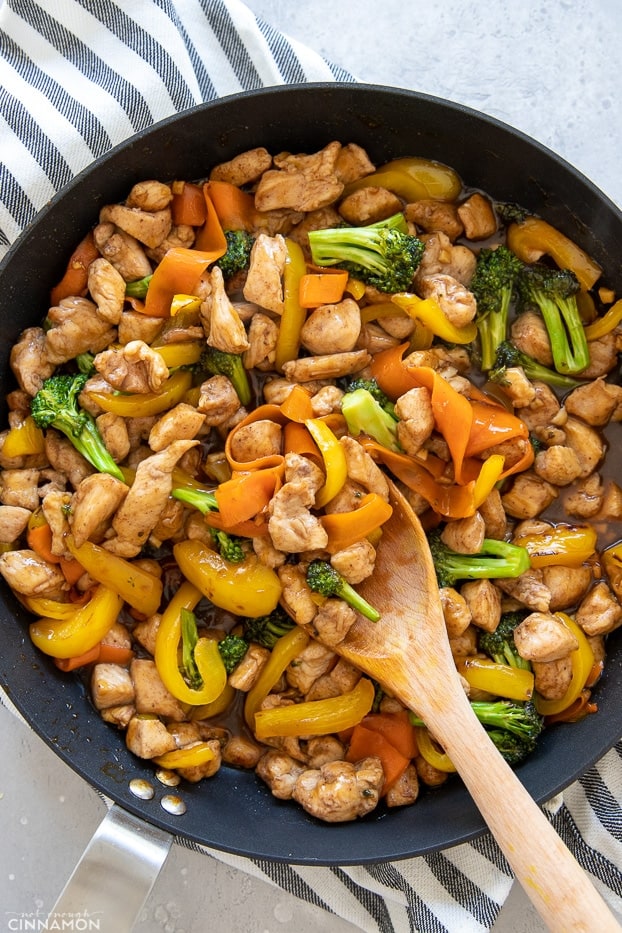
{"points": [[76, 78]]}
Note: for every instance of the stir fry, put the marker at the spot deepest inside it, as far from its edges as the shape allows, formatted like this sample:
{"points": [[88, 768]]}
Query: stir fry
{"points": [[194, 476]]}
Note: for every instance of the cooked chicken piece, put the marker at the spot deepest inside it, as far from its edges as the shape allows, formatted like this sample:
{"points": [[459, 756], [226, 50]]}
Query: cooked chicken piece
{"points": [[484, 602], [557, 464], [183, 422], [134, 325], [225, 331], [292, 526], [280, 772], [455, 300], [552, 678], [330, 366], [586, 443], [324, 748], [405, 790], [356, 562], [64, 457], [542, 637], [19, 488], [261, 438], [340, 791], [123, 251], [332, 328], [567, 585], [111, 685], [76, 327], [603, 356], [148, 227], [94, 502], [13, 521], [333, 621], [113, 430], [132, 368], [50, 480], [150, 195], [264, 281], [464, 645], [341, 679], [148, 737], [119, 716], [301, 182], [218, 401], [290, 745], [478, 217], [249, 668], [267, 553], [312, 662], [428, 774], [519, 389], [455, 611], [353, 163], [326, 401], [196, 773], [493, 513], [107, 289], [29, 360], [362, 469], [55, 506], [599, 612], [296, 597], [369, 206], [441, 256], [530, 335], [529, 496], [242, 752], [434, 216], [399, 326], [528, 589], [595, 402], [151, 694], [416, 424], [611, 506], [170, 523], [276, 389], [586, 498], [543, 411], [243, 169], [187, 733], [146, 500], [145, 632], [30, 575], [465, 535], [262, 338]]}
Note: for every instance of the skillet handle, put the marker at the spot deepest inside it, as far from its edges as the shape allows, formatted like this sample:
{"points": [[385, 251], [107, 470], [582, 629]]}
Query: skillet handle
{"points": [[115, 873]]}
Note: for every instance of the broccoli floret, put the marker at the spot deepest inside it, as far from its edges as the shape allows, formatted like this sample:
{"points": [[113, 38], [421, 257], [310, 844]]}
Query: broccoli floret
{"points": [[493, 282], [499, 645], [219, 363], [508, 355], [232, 649], [371, 385], [496, 559], [365, 415], [266, 630], [553, 292], [324, 579], [138, 288], [237, 257], [384, 255], [229, 546], [510, 746], [510, 213], [84, 362], [56, 406]]}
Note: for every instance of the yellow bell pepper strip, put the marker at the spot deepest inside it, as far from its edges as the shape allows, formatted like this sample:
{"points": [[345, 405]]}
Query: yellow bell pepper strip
{"points": [[178, 272], [216, 707], [137, 587], [66, 638], [431, 315], [489, 475], [431, 752], [565, 545], [206, 654], [335, 465], [182, 304], [317, 717], [179, 354], [420, 338], [582, 660], [513, 683], [285, 650], [247, 588], [576, 711], [190, 757], [346, 528], [144, 404], [534, 237], [294, 315], [321, 288], [355, 287], [413, 178], [50, 608], [600, 327], [24, 440], [210, 238], [246, 494]]}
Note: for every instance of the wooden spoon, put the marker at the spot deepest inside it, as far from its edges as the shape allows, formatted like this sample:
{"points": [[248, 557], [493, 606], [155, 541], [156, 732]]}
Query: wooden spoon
{"points": [[408, 652]]}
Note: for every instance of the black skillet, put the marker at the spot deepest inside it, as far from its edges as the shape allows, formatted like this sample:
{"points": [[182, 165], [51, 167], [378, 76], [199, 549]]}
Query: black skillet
{"points": [[234, 811]]}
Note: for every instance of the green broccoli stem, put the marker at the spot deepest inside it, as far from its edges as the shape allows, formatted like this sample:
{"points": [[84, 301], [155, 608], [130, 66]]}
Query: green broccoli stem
{"points": [[189, 639], [139, 287], [354, 599], [88, 441], [566, 332], [509, 355], [365, 415], [492, 330], [198, 498]]}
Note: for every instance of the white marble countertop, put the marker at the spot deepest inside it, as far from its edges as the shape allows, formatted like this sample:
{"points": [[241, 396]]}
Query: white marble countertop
{"points": [[549, 69]]}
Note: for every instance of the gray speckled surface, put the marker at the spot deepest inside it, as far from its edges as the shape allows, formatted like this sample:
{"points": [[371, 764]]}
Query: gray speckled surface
{"points": [[549, 68]]}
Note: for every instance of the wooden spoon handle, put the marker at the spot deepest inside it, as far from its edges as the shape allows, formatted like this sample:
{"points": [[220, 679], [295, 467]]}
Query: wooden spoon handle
{"points": [[560, 890]]}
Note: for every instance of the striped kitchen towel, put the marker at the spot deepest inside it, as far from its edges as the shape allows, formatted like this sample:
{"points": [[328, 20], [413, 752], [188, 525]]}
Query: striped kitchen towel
{"points": [[76, 78]]}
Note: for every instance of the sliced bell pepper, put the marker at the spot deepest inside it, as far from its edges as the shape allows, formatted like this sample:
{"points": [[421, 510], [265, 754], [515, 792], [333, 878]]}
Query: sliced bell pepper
{"points": [[413, 178], [144, 404], [333, 454], [317, 717], [67, 638], [179, 354], [602, 325], [285, 650], [136, 586], [431, 752], [566, 545], [191, 757], [513, 683], [346, 528], [50, 608], [294, 315], [432, 316], [582, 660], [216, 707], [24, 440], [534, 237]]}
